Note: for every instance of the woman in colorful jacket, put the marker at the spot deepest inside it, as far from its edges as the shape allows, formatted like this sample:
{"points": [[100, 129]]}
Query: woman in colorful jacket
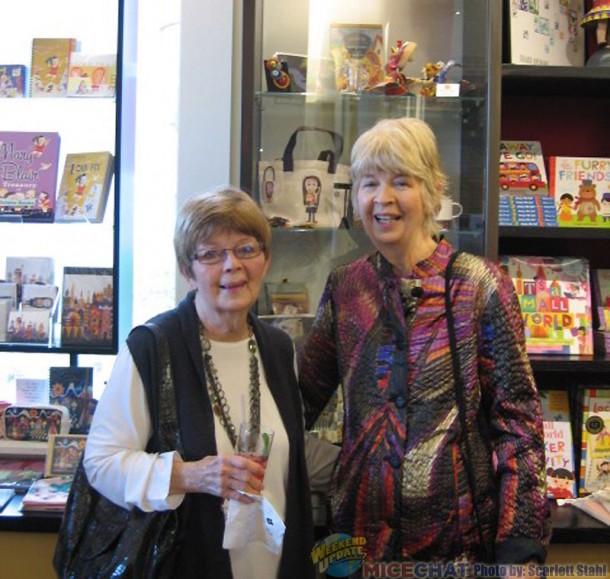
{"points": [[413, 479]]}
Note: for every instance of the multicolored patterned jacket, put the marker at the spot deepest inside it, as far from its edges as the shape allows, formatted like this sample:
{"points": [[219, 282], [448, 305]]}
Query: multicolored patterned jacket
{"points": [[401, 480]]}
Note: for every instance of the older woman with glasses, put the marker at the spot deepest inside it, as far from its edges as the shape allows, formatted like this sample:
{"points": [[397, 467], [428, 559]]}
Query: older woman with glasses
{"points": [[224, 362]]}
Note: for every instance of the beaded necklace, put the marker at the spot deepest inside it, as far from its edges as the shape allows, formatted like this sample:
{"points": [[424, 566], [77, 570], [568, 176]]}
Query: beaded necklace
{"points": [[217, 395]]}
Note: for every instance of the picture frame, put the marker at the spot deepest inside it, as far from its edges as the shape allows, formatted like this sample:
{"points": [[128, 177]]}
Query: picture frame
{"points": [[64, 454], [287, 299]]}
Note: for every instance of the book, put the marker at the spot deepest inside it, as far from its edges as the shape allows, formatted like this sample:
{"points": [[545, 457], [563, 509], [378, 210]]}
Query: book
{"points": [[558, 444], [546, 33], [28, 174], [92, 75], [85, 184], [87, 307], [527, 210], [600, 280], [35, 422], [522, 169], [50, 63], [8, 290], [581, 189], [72, 387], [28, 327], [555, 298], [5, 310], [357, 51], [5, 497], [13, 78], [36, 297], [48, 494], [601, 342], [29, 270], [595, 449], [64, 454], [18, 474]]}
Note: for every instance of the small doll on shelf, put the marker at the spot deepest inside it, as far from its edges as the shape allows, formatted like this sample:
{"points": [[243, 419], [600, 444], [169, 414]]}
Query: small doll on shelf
{"points": [[598, 18]]}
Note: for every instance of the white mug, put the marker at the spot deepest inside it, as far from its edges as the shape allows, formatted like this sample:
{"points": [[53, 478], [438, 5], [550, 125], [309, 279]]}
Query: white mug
{"points": [[449, 210]]}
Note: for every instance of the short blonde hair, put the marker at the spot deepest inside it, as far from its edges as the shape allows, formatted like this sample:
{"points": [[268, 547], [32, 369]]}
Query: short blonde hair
{"points": [[223, 209], [405, 146]]}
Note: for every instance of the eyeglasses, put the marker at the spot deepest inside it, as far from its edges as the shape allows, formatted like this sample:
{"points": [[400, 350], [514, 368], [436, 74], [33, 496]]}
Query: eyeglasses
{"points": [[211, 255]]}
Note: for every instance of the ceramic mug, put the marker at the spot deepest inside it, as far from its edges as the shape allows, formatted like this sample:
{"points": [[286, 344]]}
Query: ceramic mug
{"points": [[449, 210]]}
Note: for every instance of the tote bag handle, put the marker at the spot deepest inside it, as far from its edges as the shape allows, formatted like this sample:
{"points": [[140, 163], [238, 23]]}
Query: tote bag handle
{"points": [[288, 156]]}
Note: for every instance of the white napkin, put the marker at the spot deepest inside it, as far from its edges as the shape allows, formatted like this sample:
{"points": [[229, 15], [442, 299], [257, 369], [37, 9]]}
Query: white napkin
{"points": [[596, 504], [257, 521]]}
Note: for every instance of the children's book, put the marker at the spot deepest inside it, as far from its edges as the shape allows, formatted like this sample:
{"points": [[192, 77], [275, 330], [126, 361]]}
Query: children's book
{"points": [[522, 170], [555, 298], [50, 63], [358, 52], [32, 270], [600, 278], [595, 450], [87, 306], [28, 327], [64, 454], [38, 297], [92, 75], [28, 174], [558, 445], [48, 494], [581, 189], [18, 474], [72, 387], [546, 33], [85, 184], [12, 80], [527, 210]]}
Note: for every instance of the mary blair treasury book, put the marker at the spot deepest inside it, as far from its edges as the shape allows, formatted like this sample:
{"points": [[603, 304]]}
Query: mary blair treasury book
{"points": [[555, 298]]}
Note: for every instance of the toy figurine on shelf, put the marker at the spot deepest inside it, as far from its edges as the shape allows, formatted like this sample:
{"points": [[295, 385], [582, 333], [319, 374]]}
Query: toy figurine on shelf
{"points": [[598, 18], [396, 83], [433, 73]]}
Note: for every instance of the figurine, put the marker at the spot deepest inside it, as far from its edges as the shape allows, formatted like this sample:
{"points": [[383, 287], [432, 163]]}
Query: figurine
{"points": [[276, 72], [433, 73], [396, 82], [598, 17]]}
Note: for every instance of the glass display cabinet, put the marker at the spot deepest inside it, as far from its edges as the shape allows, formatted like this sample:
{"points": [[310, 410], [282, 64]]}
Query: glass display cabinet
{"points": [[335, 65]]}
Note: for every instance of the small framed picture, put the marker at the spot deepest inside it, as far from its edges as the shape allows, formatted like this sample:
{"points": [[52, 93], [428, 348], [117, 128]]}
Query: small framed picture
{"points": [[286, 299], [64, 453]]}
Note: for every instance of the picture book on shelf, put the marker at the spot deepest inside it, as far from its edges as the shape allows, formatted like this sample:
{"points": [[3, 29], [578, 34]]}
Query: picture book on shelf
{"points": [[28, 327], [558, 444], [87, 306], [34, 270], [48, 494], [28, 174], [527, 210], [581, 189], [522, 170], [50, 63], [555, 298], [13, 79], [360, 46], [546, 33], [92, 75], [19, 473], [64, 454], [85, 184], [600, 278], [595, 450], [72, 387]]}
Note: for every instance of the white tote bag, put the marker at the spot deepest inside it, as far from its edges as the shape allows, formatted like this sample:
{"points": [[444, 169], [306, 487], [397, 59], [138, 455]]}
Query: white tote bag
{"points": [[306, 193]]}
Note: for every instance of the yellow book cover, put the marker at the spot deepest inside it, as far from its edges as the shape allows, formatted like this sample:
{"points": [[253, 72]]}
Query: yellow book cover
{"points": [[92, 75], [84, 187], [50, 63]]}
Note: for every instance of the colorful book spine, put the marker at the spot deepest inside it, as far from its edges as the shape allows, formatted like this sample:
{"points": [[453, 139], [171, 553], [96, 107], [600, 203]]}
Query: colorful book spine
{"points": [[595, 446]]}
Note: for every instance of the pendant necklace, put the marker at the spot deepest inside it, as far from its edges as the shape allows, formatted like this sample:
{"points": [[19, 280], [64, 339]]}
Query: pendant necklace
{"points": [[216, 392]]}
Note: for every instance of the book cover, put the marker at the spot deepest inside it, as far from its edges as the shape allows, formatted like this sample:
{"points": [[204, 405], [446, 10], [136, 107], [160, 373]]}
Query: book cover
{"points": [[581, 189], [527, 211], [595, 451], [600, 279], [72, 387], [64, 454], [85, 184], [8, 290], [35, 422], [28, 327], [92, 75], [13, 78], [555, 298], [546, 33], [33, 270], [36, 297], [558, 445], [18, 474], [28, 174], [48, 494], [50, 63], [522, 170], [357, 51], [87, 307]]}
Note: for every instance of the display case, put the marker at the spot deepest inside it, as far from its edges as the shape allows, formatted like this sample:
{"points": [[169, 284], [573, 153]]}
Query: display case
{"points": [[86, 120], [308, 38]]}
